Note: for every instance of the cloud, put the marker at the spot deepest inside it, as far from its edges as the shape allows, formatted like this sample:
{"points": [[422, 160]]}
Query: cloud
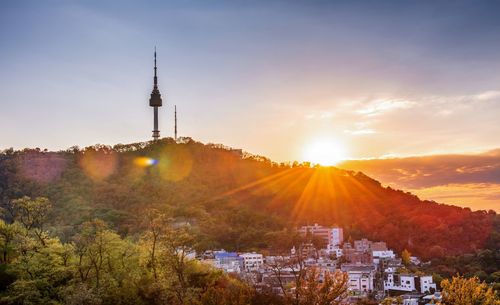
{"points": [[472, 179], [432, 170], [358, 132], [488, 95], [482, 196], [379, 106], [447, 105], [319, 115]]}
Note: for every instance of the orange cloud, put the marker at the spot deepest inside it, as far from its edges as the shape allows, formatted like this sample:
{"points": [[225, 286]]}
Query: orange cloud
{"points": [[465, 180]]}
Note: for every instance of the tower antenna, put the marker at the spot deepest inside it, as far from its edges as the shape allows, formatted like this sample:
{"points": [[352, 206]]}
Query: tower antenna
{"points": [[175, 119]]}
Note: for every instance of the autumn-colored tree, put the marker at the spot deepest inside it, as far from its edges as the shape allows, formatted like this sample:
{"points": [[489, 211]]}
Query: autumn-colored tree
{"points": [[332, 290], [392, 301], [468, 291], [406, 257]]}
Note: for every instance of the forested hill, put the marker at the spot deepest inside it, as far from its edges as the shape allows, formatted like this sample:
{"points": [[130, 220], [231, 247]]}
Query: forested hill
{"points": [[233, 199]]}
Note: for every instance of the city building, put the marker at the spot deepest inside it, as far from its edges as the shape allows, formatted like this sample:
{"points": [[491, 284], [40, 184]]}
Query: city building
{"points": [[336, 237], [363, 245], [307, 250], [395, 282], [354, 256], [335, 250], [316, 230], [377, 255], [361, 278], [379, 246], [252, 261], [332, 236], [228, 261]]}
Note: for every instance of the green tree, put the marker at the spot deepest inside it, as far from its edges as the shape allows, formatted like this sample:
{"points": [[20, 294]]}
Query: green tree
{"points": [[32, 214], [7, 234], [41, 266], [106, 264]]}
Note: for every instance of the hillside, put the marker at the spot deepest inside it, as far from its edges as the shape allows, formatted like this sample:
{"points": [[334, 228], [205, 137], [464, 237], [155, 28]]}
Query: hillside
{"points": [[233, 199]]}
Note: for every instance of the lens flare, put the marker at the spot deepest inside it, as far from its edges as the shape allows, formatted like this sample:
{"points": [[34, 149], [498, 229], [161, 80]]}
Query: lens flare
{"points": [[176, 163], [98, 165], [145, 161]]}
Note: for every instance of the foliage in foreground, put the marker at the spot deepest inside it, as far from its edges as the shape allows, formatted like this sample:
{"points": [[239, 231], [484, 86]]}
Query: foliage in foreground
{"points": [[99, 267], [468, 291]]}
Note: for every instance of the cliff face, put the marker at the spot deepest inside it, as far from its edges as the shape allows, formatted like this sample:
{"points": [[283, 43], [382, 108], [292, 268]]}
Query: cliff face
{"points": [[232, 197]]}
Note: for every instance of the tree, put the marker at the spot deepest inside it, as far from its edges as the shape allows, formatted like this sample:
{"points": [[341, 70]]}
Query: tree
{"points": [[392, 301], [224, 290], [468, 291], [154, 223], [32, 214], [306, 284], [7, 235], [106, 263], [331, 291], [177, 245], [406, 257], [282, 266], [42, 270]]}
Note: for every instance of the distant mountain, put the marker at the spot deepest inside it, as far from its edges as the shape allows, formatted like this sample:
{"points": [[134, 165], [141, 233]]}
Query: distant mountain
{"points": [[234, 199]]}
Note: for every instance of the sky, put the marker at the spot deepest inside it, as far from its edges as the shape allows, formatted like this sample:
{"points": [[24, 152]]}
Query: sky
{"points": [[377, 78], [471, 180]]}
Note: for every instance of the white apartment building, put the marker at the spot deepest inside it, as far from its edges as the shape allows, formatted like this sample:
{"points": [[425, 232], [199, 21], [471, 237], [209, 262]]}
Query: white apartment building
{"points": [[336, 237], [330, 249], [377, 255], [408, 283], [252, 261], [361, 277]]}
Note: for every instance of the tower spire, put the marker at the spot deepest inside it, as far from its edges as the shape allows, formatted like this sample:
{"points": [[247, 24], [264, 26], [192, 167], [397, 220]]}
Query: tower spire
{"points": [[155, 101], [155, 77]]}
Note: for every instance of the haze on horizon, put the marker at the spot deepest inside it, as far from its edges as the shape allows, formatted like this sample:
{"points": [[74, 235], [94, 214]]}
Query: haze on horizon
{"points": [[385, 78]]}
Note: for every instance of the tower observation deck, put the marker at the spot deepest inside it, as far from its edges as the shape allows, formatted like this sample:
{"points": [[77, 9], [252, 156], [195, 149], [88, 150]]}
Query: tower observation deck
{"points": [[155, 102]]}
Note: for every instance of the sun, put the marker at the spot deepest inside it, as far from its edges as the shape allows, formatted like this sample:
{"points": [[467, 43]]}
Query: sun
{"points": [[325, 152]]}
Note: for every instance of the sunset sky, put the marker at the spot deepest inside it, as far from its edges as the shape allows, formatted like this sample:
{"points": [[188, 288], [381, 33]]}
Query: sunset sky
{"points": [[378, 78]]}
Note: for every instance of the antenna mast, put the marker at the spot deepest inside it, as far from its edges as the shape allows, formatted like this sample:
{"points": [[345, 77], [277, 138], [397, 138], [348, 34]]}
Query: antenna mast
{"points": [[175, 119]]}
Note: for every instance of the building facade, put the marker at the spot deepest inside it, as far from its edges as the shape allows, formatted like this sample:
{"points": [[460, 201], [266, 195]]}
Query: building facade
{"points": [[252, 261], [400, 282], [361, 278]]}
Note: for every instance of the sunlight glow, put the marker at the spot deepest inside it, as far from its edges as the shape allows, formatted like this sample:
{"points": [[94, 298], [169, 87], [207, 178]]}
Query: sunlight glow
{"points": [[326, 152]]}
